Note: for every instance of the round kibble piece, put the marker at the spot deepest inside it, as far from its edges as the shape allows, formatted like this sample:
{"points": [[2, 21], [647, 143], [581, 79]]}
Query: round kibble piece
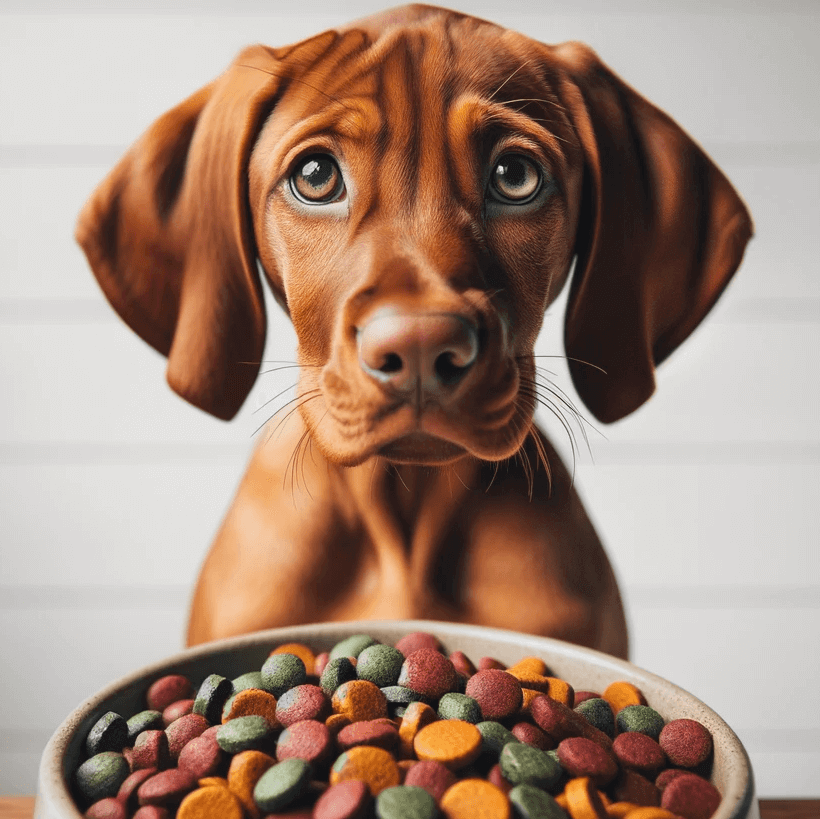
{"points": [[533, 735], [251, 679], [169, 689], [143, 721], [166, 789], [308, 740], [249, 702], [583, 801], [686, 742], [690, 796], [497, 693], [452, 742], [583, 757], [640, 718], [416, 640], [524, 765], [281, 672], [177, 709], [459, 706], [337, 672], [210, 803], [620, 694], [108, 808], [300, 650], [359, 700], [475, 799], [639, 752], [428, 672], [398, 695], [101, 776], [351, 646], [374, 766], [152, 812], [283, 783], [244, 772], [405, 802], [127, 794], [462, 664], [379, 664], [416, 717], [434, 777], [201, 757], [151, 751], [211, 696], [303, 702], [379, 732], [109, 733], [346, 800], [494, 736], [666, 776], [530, 802], [634, 787], [598, 712], [181, 731]]}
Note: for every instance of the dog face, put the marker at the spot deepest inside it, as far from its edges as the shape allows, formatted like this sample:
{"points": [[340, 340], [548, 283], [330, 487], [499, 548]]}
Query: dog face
{"points": [[416, 187]]}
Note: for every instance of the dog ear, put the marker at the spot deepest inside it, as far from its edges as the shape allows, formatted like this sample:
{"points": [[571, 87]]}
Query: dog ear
{"points": [[169, 237], [661, 232]]}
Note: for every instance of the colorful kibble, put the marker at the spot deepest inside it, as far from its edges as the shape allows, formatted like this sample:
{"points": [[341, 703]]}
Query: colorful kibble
{"points": [[351, 646], [452, 742], [109, 733], [686, 742], [345, 800], [308, 740], [379, 664], [101, 775], [168, 689], [405, 802], [598, 712], [281, 784], [459, 706], [428, 672], [281, 672], [374, 766], [524, 765], [640, 718], [497, 693], [211, 697]]}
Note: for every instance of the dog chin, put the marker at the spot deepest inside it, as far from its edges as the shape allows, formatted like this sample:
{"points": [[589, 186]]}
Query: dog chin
{"points": [[421, 448]]}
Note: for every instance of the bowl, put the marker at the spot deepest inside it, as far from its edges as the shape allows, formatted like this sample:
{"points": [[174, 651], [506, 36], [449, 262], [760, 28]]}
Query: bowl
{"points": [[584, 668]]}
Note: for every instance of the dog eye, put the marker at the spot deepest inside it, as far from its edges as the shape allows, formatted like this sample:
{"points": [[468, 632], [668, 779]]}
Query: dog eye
{"points": [[317, 180], [515, 179]]}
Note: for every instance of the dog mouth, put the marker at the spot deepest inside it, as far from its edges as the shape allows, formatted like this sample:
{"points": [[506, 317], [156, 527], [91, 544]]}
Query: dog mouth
{"points": [[421, 448]]}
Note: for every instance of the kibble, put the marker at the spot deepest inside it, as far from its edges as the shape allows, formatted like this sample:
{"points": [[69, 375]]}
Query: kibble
{"points": [[406, 731]]}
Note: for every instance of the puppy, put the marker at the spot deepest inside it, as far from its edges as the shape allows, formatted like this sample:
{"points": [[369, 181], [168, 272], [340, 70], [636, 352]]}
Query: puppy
{"points": [[415, 188]]}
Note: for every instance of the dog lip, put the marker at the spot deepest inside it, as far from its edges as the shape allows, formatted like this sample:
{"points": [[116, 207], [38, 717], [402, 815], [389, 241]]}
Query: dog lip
{"points": [[421, 448]]}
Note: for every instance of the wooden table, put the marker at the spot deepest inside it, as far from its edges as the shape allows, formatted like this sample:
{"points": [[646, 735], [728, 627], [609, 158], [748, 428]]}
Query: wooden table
{"points": [[22, 807]]}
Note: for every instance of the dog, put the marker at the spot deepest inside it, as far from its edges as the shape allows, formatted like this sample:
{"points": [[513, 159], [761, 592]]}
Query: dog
{"points": [[417, 188]]}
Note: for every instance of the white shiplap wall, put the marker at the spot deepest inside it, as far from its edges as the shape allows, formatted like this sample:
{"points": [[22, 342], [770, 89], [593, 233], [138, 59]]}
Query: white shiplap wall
{"points": [[111, 487]]}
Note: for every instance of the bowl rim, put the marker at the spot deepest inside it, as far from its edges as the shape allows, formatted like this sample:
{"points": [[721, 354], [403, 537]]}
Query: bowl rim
{"points": [[53, 790]]}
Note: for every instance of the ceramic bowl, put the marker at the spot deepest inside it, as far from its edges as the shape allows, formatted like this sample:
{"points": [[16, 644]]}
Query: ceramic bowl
{"points": [[583, 668]]}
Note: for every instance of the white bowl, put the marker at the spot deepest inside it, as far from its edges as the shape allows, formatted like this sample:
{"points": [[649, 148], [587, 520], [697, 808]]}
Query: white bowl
{"points": [[583, 668]]}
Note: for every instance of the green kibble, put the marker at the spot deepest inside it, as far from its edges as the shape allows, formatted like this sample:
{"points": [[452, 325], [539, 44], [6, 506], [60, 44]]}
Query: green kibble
{"points": [[525, 765], [405, 802], [379, 664], [598, 713], [495, 736], [144, 721], [281, 784], [253, 679], [529, 802], [640, 718], [459, 706], [101, 776], [351, 646], [282, 672], [109, 733], [336, 673], [243, 734], [211, 697]]}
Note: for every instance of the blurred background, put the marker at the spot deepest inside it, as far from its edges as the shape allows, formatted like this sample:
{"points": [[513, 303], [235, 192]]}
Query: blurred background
{"points": [[111, 487]]}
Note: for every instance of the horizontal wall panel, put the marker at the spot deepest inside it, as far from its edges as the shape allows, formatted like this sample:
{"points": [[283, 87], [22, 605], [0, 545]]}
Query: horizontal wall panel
{"points": [[719, 87]]}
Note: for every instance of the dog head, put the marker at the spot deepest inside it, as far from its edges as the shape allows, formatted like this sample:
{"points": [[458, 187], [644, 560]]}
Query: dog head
{"points": [[416, 187]]}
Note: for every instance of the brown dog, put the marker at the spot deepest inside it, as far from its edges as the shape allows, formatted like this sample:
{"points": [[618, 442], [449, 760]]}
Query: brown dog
{"points": [[416, 187]]}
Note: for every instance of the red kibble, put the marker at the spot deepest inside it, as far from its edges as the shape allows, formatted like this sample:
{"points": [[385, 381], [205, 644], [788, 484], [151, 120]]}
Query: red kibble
{"points": [[531, 734], [690, 796], [108, 808], [665, 777], [382, 733], [321, 662], [583, 757], [497, 778], [417, 640], [561, 722], [349, 799], [581, 696], [303, 702], [632, 787], [169, 689], [166, 789], [182, 731], [201, 757], [462, 664], [127, 793], [152, 812], [498, 693], [177, 709], [150, 751], [686, 742], [639, 752], [308, 740], [490, 662], [428, 672], [433, 776]]}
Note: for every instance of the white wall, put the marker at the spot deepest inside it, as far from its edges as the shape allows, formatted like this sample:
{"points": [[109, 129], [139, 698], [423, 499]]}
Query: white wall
{"points": [[111, 487]]}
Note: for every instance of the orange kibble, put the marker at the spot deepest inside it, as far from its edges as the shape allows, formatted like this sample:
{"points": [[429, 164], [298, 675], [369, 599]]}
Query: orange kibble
{"points": [[453, 742], [212, 781], [536, 682], [359, 700], [253, 702], [303, 652], [213, 802], [620, 694], [528, 695], [243, 774], [617, 810], [561, 691], [645, 812], [335, 722], [475, 799], [404, 766], [529, 665], [416, 717], [374, 766], [583, 799]]}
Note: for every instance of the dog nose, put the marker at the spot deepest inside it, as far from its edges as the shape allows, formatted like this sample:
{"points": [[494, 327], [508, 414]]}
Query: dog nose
{"points": [[407, 351]]}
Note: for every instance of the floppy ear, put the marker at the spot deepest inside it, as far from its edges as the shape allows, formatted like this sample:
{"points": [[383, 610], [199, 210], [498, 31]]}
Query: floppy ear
{"points": [[661, 232], [169, 237]]}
